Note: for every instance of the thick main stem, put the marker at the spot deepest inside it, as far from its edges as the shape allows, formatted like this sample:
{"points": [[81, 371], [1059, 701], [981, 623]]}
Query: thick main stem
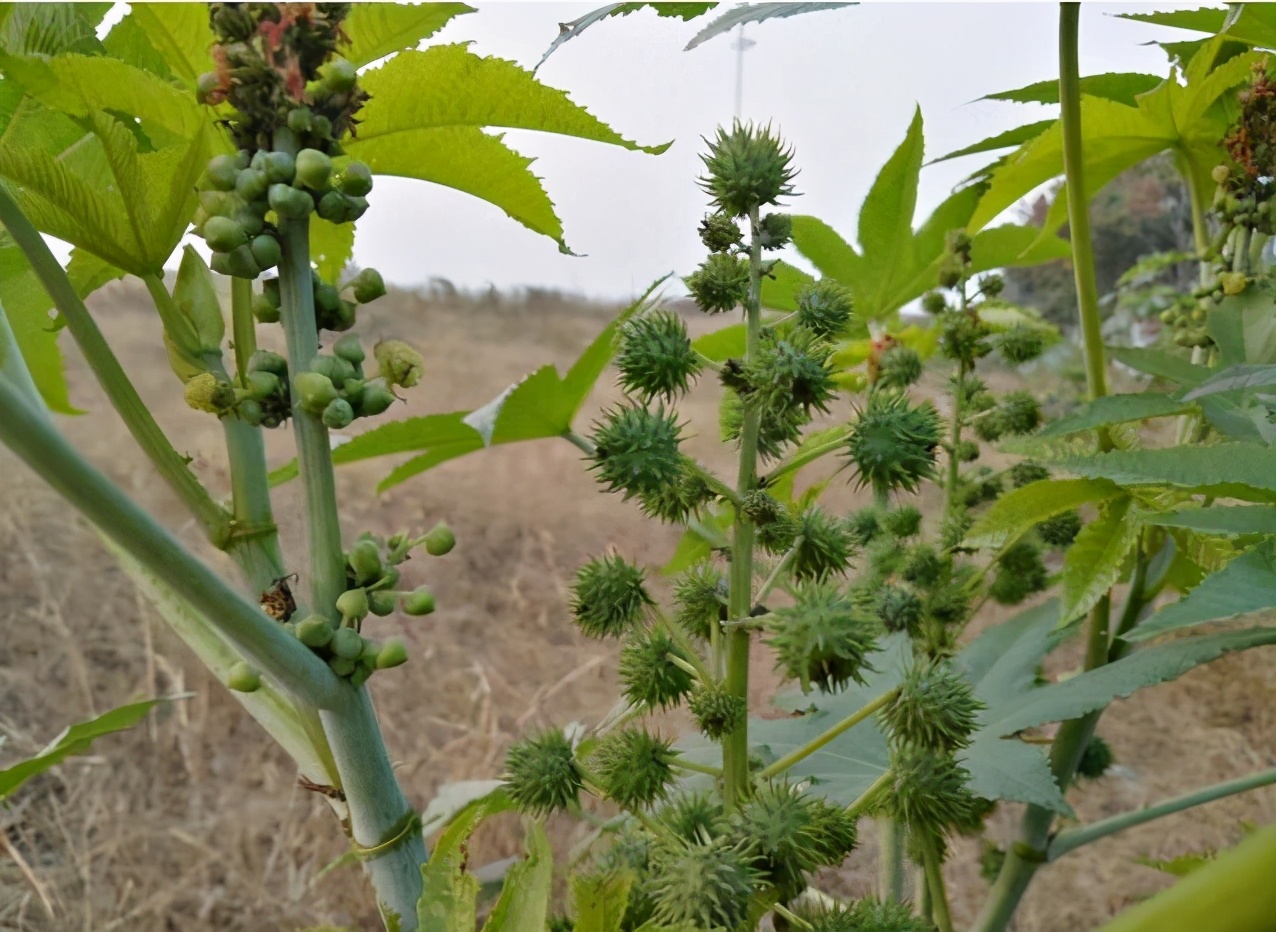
{"points": [[735, 747]]}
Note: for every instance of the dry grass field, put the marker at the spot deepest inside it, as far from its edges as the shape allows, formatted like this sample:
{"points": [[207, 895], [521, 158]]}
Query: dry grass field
{"points": [[194, 821]]}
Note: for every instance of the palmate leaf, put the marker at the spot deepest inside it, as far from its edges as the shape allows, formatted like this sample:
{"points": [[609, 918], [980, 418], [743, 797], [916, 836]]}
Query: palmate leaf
{"points": [[524, 900], [1010, 138], [449, 900], [1014, 514], [51, 28], [567, 31], [1159, 364], [1244, 327], [380, 29], [600, 900], [1122, 87], [1116, 409], [1244, 586], [1235, 378], [1223, 520], [427, 116], [1237, 470], [756, 13], [1092, 565], [1251, 23], [173, 40]]}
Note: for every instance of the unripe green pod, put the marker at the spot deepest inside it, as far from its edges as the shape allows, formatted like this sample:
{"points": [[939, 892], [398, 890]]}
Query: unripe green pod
{"points": [[218, 203], [355, 180], [280, 167], [315, 391], [313, 169], [221, 173], [333, 207], [382, 602], [338, 75], [265, 310], [219, 263], [370, 650], [344, 317], [368, 286], [251, 184], [290, 203], [419, 601], [361, 674], [342, 666], [352, 391], [356, 207], [315, 631], [243, 678], [265, 249], [376, 398], [241, 263], [440, 540], [321, 126], [224, 234], [365, 560], [327, 298], [250, 220], [263, 360], [299, 120], [263, 386], [347, 644], [353, 603], [350, 349], [334, 367], [392, 654], [250, 412], [338, 414]]}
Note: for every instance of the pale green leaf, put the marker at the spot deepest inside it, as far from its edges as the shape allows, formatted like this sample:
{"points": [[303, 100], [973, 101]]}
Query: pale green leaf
{"points": [[331, 247], [380, 29], [1246, 585], [756, 13], [51, 28], [1116, 409], [1011, 245], [831, 255], [723, 343], [600, 900], [1220, 519], [1179, 866], [886, 216], [780, 288], [1012, 137], [1014, 514], [179, 32], [448, 903], [451, 798], [1240, 470], [1159, 363], [1093, 563], [1235, 378], [1123, 87], [570, 30], [524, 900]]}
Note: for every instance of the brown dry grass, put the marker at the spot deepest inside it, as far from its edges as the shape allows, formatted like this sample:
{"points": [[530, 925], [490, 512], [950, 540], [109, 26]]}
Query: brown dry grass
{"points": [[194, 822]]}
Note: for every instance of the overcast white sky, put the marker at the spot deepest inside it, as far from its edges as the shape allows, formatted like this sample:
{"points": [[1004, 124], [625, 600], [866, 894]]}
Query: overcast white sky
{"points": [[840, 85]]}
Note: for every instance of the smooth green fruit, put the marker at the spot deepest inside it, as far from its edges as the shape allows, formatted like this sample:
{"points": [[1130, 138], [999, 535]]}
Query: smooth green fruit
{"points": [[241, 263], [280, 167], [338, 414], [333, 207], [313, 169], [266, 251], [344, 317], [370, 650], [367, 286], [263, 360], [440, 540], [290, 203], [263, 386], [356, 180], [250, 412], [259, 160], [376, 398], [392, 654], [321, 126], [252, 222], [347, 644], [365, 559], [334, 367], [419, 602], [350, 349], [327, 298], [251, 184], [221, 172], [264, 309], [218, 203], [356, 207], [342, 666], [353, 603], [315, 631], [223, 234], [219, 264], [382, 602], [315, 391], [352, 390], [243, 678], [339, 75], [299, 120]]}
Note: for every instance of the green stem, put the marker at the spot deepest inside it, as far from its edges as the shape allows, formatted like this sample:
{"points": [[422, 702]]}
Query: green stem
{"points": [[584, 444], [777, 574], [866, 799], [890, 860], [698, 768], [110, 375], [735, 746], [243, 326], [804, 457], [1071, 839], [266, 645], [954, 433], [935, 883], [846, 724], [14, 368]]}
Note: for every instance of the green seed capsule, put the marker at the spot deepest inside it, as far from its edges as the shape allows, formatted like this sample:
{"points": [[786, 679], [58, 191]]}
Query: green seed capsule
{"points": [[313, 169], [315, 391], [280, 167], [419, 601], [265, 310], [376, 398], [221, 172], [327, 298], [242, 264], [392, 654], [356, 180], [370, 650], [368, 286], [321, 126], [382, 602], [251, 184], [339, 75], [353, 603], [333, 207], [342, 666], [263, 386], [338, 414], [223, 234], [218, 203], [266, 251], [250, 220], [243, 678], [219, 264], [352, 390], [315, 631], [347, 644], [334, 367], [356, 207], [299, 120], [250, 412], [350, 349], [290, 203], [440, 540], [365, 560], [344, 317], [263, 360]]}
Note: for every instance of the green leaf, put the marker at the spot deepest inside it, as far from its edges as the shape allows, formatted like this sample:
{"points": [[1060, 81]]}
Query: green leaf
{"points": [[380, 29], [1250, 23], [1160, 364], [1122, 87], [1116, 409], [600, 900], [448, 903], [831, 255], [1179, 866], [195, 295], [1244, 327], [74, 741], [756, 13], [1240, 470], [426, 120], [331, 246], [1220, 519], [780, 288], [1235, 378], [1092, 565], [886, 217], [1247, 584], [1019, 511], [1011, 137], [699, 540], [524, 900], [51, 28], [570, 30], [451, 798], [723, 343], [178, 32]]}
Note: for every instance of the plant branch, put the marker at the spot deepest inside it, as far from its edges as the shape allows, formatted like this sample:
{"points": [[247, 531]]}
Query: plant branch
{"points": [[806, 750], [776, 574], [715, 772], [243, 326], [866, 799], [934, 869], [803, 458]]}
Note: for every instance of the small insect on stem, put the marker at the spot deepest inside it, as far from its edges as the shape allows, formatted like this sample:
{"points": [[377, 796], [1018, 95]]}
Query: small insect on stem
{"points": [[277, 601]]}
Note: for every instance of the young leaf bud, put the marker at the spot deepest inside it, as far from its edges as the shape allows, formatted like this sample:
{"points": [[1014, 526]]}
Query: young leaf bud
{"points": [[608, 598], [419, 601], [720, 284], [634, 767], [655, 357], [312, 169], [717, 712], [353, 604], [399, 363], [636, 449], [649, 677], [440, 540], [720, 233], [338, 414], [824, 307], [892, 444], [367, 286], [315, 631], [542, 775], [393, 653], [823, 639], [700, 598], [746, 168], [243, 678], [935, 708]]}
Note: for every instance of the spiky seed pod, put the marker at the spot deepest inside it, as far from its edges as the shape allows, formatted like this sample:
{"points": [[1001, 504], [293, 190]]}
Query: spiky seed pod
{"points": [[694, 817], [399, 363], [1020, 412], [720, 233], [781, 825], [775, 230], [609, 598], [634, 767], [864, 525], [760, 507], [700, 600], [776, 431], [824, 307], [892, 444], [790, 372], [833, 832], [542, 775], [823, 639], [967, 451], [898, 367], [746, 168], [935, 708], [1095, 759], [677, 501], [636, 449], [885, 557], [1019, 345], [649, 677], [904, 521], [929, 790], [717, 712], [923, 565], [655, 357], [981, 487], [1061, 530], [1020, 573], [206, 392], [948, 604], [868, 915], [1026, 473], [951, 270], [776, 536], [900, 609], [630, 853], [934, 303], [707, 886], [963, 338], [720, 284], [825, 548]]}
